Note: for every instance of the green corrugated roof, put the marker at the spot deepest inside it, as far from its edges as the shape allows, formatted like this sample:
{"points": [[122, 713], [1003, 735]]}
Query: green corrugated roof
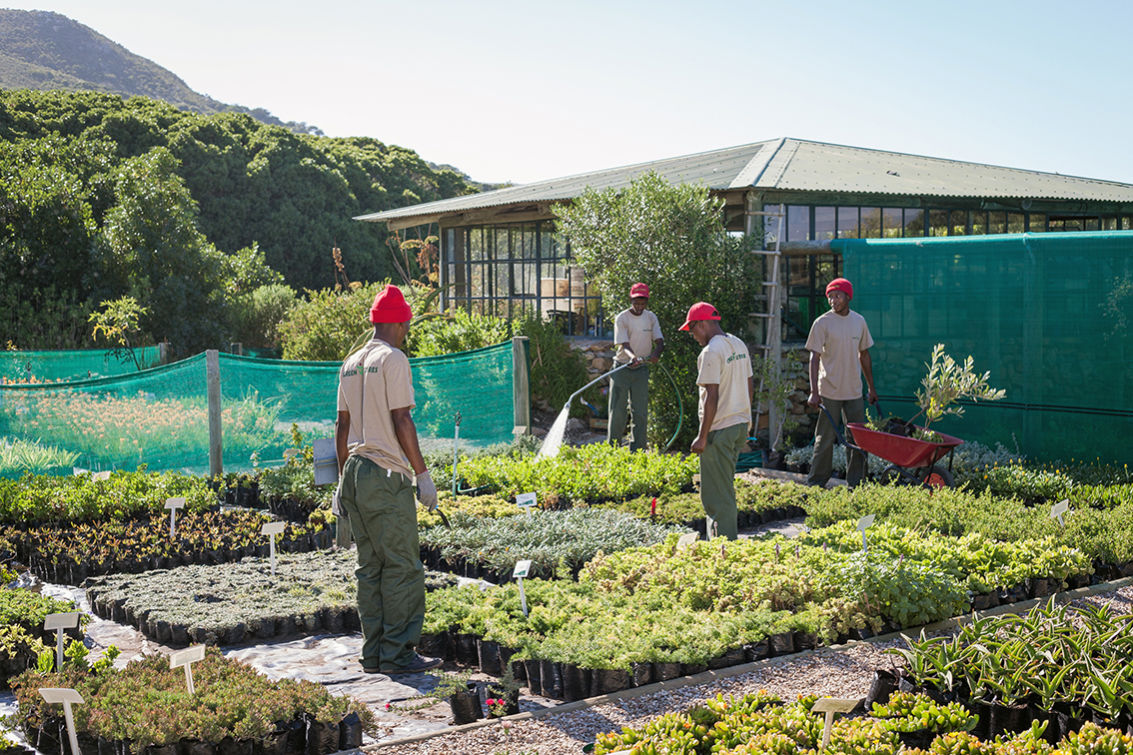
{"points": [[798, 165]]}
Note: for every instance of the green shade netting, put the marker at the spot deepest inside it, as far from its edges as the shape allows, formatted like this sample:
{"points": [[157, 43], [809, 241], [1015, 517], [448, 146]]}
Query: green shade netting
{"points": [[55, 366], [159, 417], [1049, 315]]}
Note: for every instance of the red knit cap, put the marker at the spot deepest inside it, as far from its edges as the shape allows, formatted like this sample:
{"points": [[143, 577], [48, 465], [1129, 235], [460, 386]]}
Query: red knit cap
{"points": [[390, 306], [840, 284]]}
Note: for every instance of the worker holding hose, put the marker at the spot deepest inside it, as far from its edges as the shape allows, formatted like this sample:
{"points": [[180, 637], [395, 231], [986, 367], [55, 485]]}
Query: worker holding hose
{"points": [[378, 457], [637, 333], [724, 377]]}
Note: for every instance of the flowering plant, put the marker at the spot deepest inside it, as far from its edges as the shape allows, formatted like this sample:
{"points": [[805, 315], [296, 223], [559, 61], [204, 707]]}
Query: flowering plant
{"points": [[497, 707]]}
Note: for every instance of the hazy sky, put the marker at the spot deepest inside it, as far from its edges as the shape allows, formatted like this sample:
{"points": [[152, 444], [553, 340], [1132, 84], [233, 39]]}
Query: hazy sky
{"points": [[521, 91]]}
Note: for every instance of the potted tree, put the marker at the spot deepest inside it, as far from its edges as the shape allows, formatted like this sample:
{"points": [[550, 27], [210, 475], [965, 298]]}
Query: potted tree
{"points": [[946, 382]]}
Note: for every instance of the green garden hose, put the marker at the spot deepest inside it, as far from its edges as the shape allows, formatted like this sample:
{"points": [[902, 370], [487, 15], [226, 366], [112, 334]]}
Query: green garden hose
{"points": [[680, 407]]}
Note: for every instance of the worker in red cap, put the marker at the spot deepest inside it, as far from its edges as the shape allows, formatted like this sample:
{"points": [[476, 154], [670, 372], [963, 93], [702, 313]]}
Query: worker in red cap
{"points": [[839, 344], [637, 334], [378, 456], [724, 376]]}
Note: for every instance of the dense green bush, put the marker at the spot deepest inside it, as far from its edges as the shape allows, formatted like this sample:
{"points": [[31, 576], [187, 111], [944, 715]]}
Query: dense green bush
{"points": [[454, 331], [556, 370], [326, 324]]}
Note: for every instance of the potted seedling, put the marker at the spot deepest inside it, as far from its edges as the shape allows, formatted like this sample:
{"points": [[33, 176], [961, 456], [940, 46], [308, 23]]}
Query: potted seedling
{"points": [[502, 697]]}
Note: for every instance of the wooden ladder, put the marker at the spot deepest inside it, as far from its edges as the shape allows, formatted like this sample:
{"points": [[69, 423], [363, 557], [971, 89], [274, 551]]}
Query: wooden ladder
{"points": [[771, 347]]}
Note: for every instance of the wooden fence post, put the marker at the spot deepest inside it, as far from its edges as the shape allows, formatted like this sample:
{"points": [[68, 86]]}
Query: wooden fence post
{"points": [[212, 379], [521, 386]]}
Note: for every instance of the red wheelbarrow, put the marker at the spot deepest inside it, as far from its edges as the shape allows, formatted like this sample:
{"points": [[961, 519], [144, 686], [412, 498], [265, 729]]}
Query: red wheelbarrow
{"points": [[911, 461]]}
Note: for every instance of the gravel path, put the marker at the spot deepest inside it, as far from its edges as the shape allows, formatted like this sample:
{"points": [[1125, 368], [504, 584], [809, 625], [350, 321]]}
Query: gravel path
{"points": [[844, 672]]}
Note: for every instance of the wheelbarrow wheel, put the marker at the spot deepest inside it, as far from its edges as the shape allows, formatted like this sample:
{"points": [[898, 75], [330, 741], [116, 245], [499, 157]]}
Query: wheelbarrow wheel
{"points": [[938, 477], [893, 475]]}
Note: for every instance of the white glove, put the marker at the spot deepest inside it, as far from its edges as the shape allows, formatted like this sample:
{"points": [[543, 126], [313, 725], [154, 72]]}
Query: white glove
{"points": [[426, 491], [336, 501]]}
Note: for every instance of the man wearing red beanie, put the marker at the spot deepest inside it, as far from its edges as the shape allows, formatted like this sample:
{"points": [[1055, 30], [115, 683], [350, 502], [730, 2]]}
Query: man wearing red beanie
{"points": [[839, 344], [378, 454]]}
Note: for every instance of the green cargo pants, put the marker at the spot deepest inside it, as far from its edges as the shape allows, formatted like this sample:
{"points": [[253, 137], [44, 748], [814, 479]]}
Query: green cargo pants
{"points": [[629, 387], [717, 480], [821, 465], [391, 578]]}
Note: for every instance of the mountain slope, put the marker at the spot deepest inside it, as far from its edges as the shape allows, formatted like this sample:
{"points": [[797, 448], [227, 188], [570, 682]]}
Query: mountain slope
{"points": [[46, 50]]}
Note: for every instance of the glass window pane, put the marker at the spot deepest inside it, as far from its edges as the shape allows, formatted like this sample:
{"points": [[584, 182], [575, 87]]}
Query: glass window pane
{"points": [[871, 223], [892, 225], [958, 226], [1126, 222], [1091, 224], [914, 222], [1036, 222], [997, 222], [1109, 224], [798, 223], [847, 222], [938, 222], [979, 222], [824, 223], [1016, 222], [770, 226]]}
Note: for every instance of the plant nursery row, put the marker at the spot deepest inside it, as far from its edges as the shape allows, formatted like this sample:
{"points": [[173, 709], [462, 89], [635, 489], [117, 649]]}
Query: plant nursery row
{"points": [[1069, 664], [906, 723], [146, 707], [22, 636], [650, 613], [238, 602], [69, 553]]}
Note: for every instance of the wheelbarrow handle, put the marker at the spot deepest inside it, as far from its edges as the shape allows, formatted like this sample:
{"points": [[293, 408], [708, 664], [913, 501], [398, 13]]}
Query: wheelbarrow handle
{"points": [[837, 432]]}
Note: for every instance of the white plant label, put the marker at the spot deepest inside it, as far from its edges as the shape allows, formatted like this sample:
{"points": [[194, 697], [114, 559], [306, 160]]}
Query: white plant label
{"points": [[79, 471], [104, 475], [864, 524], [522, 569], [271, 529], [325, 461], [290, 452], [187, 658], [67, 697], [1058, 509], [173, 504], [60, 622], [830, 706], [525, 500], [686, 540]]}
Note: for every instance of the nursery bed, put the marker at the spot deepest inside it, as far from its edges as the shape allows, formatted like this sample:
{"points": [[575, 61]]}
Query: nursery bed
{"points": [[240, 602], [844, 671]]}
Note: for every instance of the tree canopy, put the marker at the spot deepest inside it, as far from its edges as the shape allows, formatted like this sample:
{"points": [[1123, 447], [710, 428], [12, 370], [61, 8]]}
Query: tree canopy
{"points": [[102, 197]]}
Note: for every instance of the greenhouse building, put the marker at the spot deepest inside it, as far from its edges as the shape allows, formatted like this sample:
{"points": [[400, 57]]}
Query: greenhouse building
{"points": [[1030, 273]]}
